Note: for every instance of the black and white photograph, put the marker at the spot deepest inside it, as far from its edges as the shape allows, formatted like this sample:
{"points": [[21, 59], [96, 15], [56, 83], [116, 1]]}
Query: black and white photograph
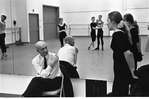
{"points": [[74, 48]]}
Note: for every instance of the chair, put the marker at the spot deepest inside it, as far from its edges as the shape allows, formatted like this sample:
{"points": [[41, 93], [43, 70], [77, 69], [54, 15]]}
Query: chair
{"points": [[55, 93]]}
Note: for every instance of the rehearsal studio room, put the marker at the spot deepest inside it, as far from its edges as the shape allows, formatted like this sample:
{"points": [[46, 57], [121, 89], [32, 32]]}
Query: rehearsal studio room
{"points": [[29, 21]]}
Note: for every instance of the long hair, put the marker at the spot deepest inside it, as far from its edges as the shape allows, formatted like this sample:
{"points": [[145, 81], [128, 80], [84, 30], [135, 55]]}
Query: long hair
{"points": [[122, 25], [129, 18]]}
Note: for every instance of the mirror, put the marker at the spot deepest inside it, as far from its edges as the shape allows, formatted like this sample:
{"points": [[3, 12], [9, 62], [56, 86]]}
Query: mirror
{"points": [[27, 22], [7, 65]]}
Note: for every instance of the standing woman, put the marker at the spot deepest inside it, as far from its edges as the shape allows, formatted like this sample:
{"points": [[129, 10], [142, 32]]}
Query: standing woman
{"points": [[62, 31], [121, 56], [147, 43], [129, 20], [93, 32], [99, 32], [2, 36]]}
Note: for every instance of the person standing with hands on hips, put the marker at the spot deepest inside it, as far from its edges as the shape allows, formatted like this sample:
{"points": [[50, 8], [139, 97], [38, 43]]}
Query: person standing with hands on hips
{"points": [[2, 36], [62, 31]]}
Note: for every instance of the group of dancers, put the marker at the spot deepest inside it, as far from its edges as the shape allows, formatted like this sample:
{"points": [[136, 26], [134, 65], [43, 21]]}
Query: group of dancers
{"points": [[98, 25], [126, 46]]}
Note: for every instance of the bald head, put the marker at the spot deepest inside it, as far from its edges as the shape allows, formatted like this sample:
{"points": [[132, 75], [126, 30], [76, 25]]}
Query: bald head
{"points": [[69, 40], [40, 44], [41, 47]]}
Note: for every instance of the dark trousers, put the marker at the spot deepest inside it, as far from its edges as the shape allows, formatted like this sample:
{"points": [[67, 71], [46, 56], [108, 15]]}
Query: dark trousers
{"points": [[62, 35], [2, 43], [67, 85], [71, 71], [135, 61], [39, 85], [100, 37]]}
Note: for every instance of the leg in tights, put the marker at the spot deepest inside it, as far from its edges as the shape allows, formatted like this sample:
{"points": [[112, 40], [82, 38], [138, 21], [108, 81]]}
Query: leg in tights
{"points": [[98, 41], [100, 37], [102, 43], [64, 35], [2, 42], [61, 37]]}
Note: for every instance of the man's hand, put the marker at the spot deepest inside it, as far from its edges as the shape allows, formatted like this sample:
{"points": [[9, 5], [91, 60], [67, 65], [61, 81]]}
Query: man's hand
{"points": [[53, 61], [44, 73]]}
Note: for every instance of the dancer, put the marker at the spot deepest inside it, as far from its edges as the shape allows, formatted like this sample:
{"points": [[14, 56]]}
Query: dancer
{"points": [[147, 42], [2, 37], [136, 48], [122, 56], [62, 31], [100, 24], [93, 33]]}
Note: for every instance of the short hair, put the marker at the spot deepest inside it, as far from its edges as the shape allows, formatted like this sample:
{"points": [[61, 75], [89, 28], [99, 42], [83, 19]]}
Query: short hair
{"points": [[92, 17], [4, 16], [60, 19], [100, 16], [68, 38], [115, 16], [39, 44]]}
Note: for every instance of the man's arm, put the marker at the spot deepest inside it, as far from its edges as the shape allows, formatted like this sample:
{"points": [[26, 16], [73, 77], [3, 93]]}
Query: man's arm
{"points": [[130, 61], [75, 55], [2, 24], [51, 64], [41, 72]]}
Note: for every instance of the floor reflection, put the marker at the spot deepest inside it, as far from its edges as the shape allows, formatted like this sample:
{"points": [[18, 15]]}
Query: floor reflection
{"points": [[91, 64]]}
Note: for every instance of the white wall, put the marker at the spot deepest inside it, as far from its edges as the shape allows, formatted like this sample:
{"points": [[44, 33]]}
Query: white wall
{"points": [[19, 10], [140, 10], [5, 10], [81, 11], [73, 12], [13, 11], [37, 6]]}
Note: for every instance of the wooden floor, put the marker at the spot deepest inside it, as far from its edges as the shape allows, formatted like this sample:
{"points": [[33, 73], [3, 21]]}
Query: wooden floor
{"points": [[96, 64]]}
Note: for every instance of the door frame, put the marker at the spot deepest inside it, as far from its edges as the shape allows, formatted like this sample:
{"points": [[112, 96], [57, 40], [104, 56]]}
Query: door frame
{"points": [[57, 17], [38, 25]]}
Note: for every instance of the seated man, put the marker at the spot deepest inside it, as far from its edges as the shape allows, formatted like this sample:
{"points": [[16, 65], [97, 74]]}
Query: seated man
{"points": [[68, 57], [49, 74]]}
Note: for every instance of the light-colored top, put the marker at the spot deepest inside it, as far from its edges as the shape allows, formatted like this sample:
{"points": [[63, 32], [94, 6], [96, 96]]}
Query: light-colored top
{"points": [[2, 27], [50, 71], [99, 24], [68, 53]]}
